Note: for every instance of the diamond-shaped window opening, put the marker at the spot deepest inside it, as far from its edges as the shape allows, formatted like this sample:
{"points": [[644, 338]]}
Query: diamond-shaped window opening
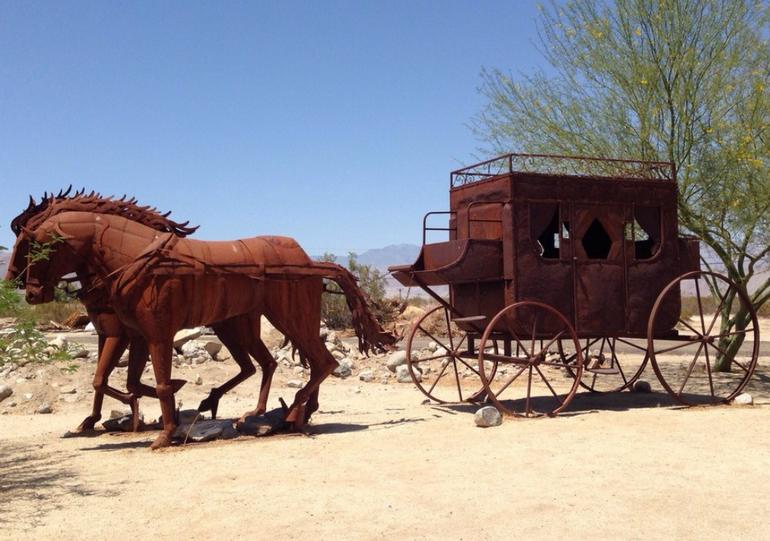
{"points": [[596, 241]]}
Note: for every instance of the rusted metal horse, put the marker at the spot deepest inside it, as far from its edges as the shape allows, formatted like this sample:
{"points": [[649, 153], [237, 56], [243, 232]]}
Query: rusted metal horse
{"points": [[159, 283], [114, 337]]}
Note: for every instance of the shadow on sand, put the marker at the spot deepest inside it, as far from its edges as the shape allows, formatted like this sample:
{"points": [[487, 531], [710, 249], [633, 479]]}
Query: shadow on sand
{"points": [[35, 480]]}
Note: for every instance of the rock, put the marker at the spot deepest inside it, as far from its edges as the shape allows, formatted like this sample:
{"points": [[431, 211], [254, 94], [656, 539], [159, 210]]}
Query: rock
{"points": [[403, 375], [338, 355], [185, 335], [432, 346], [642, 386], [204, 430], [80, 352], [90, 327], [27, 396], [294, 383], [366, 375], [344, 369], [323, 332], [488, 416], [59, 342], [743, 399], [198, 379], [117, 414], [263, 425], [121, 423], [5, 392], [396, 359], [186, 417], [212, 348], [67, 389], [44, 408]]}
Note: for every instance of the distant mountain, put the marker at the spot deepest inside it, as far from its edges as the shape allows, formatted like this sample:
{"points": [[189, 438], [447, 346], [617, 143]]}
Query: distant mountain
{"points": [[395, 254], [382, 258]]}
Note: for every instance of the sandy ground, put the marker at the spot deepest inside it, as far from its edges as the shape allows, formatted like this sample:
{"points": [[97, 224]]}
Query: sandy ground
{"points": [[380, 464]]}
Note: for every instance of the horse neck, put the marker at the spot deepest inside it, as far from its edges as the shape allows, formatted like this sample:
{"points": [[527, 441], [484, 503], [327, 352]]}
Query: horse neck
{"points": [[119, 241]]}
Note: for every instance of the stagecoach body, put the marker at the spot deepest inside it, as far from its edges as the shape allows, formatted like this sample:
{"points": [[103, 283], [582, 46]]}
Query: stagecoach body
{"points": [[594, 240]]}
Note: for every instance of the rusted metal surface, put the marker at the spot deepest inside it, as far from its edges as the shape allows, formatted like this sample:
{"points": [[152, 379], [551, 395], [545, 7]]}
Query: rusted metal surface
{"points": [[159, 282], [596, 240]]}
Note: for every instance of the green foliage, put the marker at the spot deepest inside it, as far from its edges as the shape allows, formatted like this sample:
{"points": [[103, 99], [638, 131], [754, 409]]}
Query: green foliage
{"points": [[23, 344], [685, 81], [9, 298], [334, 308]]}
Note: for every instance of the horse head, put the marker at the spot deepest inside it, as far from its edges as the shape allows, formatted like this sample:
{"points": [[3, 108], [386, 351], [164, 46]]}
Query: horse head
{"points": [[46, 257]]}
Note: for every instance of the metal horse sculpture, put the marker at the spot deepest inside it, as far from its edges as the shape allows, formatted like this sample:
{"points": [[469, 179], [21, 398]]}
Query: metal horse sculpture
{"points": [[159, 283]]}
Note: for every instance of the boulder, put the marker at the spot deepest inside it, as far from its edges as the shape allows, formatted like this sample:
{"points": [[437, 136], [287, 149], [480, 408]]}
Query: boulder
{"points": [[5, 392], [206, 430], [743, 399], [198, 379], [403, 375], [488, 416], [121, 423], [396, 359], [344, 369], [90, 327], [366, 376], [59, 342], [185, 335], [44, 408], [263, 425], [642, 386]]}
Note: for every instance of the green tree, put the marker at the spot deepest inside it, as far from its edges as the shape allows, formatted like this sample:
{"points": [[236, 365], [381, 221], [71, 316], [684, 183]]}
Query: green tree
{"points": [[684, 81]]}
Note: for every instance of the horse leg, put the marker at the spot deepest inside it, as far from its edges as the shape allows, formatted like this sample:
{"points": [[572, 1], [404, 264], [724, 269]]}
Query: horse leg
{"points": [[234, 335], [322, 363], [160, 353], [268, 365], [110, 350]]}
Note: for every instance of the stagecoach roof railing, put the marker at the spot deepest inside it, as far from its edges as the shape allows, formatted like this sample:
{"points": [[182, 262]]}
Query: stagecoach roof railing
{"points": [[572, 166]]}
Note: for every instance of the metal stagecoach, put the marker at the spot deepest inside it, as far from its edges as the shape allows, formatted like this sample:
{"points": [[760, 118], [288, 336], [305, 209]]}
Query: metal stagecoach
{"points": [[567, 272]]}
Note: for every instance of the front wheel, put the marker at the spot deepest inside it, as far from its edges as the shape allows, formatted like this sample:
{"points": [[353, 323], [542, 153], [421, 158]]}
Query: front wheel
{"points": [[532, 380]]}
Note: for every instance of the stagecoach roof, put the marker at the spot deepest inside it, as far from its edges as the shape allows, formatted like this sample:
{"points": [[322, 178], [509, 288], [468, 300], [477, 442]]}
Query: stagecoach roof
{"points": [[581, 167]]}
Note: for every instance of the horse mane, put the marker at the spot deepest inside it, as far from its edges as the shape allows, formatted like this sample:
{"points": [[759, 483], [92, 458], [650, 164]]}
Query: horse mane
{"points": [[51, 205]]}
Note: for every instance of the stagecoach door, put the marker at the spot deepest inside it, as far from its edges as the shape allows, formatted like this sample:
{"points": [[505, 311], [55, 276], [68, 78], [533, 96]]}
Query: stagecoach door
{"points": [[599, 272]]}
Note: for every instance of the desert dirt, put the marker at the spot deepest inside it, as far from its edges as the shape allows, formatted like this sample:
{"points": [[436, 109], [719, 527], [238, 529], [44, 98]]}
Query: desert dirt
{"points": [[378, 463]]}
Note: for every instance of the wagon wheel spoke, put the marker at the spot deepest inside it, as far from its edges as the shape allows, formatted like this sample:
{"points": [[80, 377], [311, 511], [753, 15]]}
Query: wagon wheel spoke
{"points": [[534, 333], [616, 361], [441, 375], [734, 333], [689, 369], [717, 312], [457, 379], [631, 344], [674, 348], [430, 335], [549, 344], [700, 307], [511, 380], [431, 358], [683, 322], [527, 409], [548, 384], [708, 370], [449, 330], [456, 351]]}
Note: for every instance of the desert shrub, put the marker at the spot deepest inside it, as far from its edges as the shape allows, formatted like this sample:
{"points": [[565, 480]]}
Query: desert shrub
{"points": [[334, 308]]}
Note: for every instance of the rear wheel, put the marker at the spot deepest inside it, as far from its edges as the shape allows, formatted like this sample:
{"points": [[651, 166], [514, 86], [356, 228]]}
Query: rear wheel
{"points": [[532, 380], [610, 365], [707, 362]]}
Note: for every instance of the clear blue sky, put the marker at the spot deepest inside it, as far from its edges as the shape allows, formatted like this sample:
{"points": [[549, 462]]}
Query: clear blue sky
{"points": [[336, 123]]}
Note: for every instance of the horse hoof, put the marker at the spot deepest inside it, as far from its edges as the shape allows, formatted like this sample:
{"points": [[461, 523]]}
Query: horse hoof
{"points": [[163, 440], [88, 424]]}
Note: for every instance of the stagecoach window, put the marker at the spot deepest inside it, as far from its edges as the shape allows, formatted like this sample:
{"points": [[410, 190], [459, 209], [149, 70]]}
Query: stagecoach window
{"points": [[646, 232], [544, 228], [596, 242]]}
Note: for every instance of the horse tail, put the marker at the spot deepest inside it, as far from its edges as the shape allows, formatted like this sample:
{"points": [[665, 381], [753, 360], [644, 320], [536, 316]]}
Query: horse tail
{"points": [[371, 335]]}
